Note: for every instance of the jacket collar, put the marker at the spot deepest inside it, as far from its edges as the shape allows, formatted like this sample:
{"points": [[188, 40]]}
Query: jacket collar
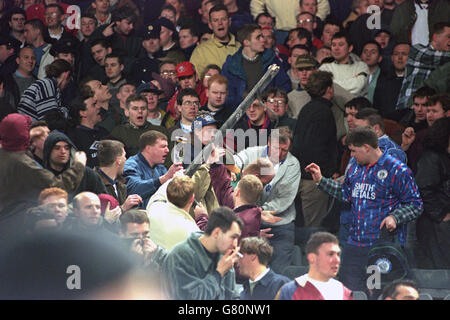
{"points": [[202, 255]]}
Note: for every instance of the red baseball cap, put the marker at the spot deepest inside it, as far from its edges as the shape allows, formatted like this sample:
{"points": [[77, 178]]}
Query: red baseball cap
{"points": [[185, 69]]}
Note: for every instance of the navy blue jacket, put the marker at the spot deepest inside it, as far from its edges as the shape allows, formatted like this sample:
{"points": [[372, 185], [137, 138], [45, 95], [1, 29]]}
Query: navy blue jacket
{"points": [[266, 288], [234, 72]]}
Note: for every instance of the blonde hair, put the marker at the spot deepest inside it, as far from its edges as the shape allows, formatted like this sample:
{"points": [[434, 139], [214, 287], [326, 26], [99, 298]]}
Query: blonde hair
{"points": [[250, 188], [180, 190]]}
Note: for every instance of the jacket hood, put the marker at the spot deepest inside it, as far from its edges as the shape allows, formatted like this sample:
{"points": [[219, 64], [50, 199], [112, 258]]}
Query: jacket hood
{"points": [[53, 138], [15, 132]]}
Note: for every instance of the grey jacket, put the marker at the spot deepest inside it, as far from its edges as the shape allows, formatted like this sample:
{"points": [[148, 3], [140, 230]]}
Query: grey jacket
{"points": [[280, 193], [192, 275]]}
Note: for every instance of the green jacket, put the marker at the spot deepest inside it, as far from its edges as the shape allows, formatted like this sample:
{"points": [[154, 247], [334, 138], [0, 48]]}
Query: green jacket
{"points": [[192, 273], [129, 135], [405, 16]]}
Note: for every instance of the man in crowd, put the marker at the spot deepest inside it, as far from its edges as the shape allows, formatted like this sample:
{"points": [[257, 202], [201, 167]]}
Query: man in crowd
{"points": [[86, 134], [315, 140], [145, 172], [348, 72], [263, 283], [324, 258], [217, 94], [280, 193], [111, 157], [221, 44], [129, 133], [389, 84], [422, 60], [23, 76], [201, 267], [377, 200]]}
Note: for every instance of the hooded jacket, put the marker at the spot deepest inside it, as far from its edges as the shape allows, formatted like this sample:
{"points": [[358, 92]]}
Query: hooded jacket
{"points": [[91, 181], [22, 178]]}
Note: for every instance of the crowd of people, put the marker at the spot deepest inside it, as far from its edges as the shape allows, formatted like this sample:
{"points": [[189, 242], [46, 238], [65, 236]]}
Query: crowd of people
{"points": [[105, 105]]}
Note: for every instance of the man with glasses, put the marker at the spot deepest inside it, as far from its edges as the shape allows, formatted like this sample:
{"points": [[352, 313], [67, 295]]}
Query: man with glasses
{"points": [[188, 104], [277, 100], [307, 21], [187, 79]]}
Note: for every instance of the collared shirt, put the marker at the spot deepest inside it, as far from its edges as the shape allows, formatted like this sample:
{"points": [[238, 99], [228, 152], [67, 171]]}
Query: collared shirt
{"points": [[253, 283], [110, 181]]}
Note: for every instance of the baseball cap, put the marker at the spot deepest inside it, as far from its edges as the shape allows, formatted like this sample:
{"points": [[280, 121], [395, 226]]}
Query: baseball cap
{"points": [[148, 87], [10, 42], [164, 22], [306, 61], [185, 69], [64, 46], [150, 31], [203, 119]]}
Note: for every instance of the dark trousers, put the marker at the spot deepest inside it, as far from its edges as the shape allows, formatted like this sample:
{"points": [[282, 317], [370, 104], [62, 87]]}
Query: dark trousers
{"points": [[283, 246], [353, 267]]}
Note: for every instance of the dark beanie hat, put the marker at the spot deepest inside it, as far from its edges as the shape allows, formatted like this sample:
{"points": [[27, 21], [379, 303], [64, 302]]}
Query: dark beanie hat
{"points": [[15, 132]]}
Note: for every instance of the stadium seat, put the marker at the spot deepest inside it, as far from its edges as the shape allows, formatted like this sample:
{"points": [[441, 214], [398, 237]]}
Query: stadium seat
{"points": [[434, 282], [425, 296], [359, 295], [297, 259], [293, 272]]}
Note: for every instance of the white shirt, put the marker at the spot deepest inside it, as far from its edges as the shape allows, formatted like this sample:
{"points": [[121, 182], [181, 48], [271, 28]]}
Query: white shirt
{"points": [[155, 121], [420, 32], [330, 290]]}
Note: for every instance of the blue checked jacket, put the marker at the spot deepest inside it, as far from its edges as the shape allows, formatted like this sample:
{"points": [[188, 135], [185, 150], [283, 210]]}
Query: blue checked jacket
{"points": [[422, 60]]}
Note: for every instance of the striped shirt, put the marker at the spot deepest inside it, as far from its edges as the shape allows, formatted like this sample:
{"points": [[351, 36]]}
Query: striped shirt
{"points": [[375, 192], [40, 98]]}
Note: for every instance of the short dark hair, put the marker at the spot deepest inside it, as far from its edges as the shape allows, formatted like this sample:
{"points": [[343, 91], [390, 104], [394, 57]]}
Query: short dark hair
{"points": [[37, 24], [16, 10], [331, 21], [118, 14], [246, 31], [108, 151], [217, 8], [103, 42], [57, 67], [372, 116], [424, 92], [135, 97], [442, 98], [276, 92], [342, 34], [55, 5], [149, 138], [360, 136], [390, 291], [259, 246], [132, 216], [300, 46], [191, 27], [302, 33], [223, 218], [439, 27], [78, 104], [186, 92], [119, 57], [265, 14], [376, 44], [318, 83], [168, 7], [317, 239], [358, 103]]}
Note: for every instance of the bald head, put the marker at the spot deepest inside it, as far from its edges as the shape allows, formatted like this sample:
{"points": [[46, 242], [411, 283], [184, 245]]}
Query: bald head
{"points": [[86, 206]]}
